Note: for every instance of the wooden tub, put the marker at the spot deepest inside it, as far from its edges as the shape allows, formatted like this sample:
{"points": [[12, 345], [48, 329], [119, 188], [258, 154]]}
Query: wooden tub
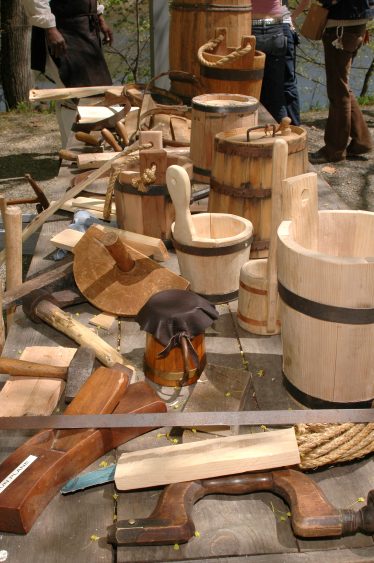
{"points": [[327, 308]]}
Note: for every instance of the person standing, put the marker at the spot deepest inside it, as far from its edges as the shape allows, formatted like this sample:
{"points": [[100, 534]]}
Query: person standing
{"points": [[66, 46], [291, 91], [346, 132]]}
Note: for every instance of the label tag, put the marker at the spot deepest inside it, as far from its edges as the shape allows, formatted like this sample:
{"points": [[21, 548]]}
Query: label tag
{"points": [[16, 472]]}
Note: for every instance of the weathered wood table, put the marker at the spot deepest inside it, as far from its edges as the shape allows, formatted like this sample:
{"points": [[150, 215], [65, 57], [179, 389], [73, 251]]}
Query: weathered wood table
{"points": [[251, 527]]}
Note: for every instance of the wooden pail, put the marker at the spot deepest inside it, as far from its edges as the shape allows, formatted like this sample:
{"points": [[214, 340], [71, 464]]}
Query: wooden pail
{"points": [[243, 71], [327, 309], [193, 23], [212, 263], [170, 370], [241, 176], [252, 301], [212, 113]]}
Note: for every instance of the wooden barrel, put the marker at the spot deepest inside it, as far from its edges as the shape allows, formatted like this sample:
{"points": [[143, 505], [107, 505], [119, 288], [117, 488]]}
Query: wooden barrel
{"points": [[327, 309], [253, 298], [193, 23], [241, 74], [169, 371], [212, 113], [213, 260], [241, 176]]}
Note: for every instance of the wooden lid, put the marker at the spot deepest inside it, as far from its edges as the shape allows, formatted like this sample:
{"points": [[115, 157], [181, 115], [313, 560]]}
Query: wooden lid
{"points": [[116, 278]]}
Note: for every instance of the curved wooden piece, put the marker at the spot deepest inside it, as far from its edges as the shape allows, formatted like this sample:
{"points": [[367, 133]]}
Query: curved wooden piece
{"points": [[62, 454], [179, 186]]}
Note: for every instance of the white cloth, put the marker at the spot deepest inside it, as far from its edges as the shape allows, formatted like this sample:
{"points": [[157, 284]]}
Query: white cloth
{"points": [[39, 13]]}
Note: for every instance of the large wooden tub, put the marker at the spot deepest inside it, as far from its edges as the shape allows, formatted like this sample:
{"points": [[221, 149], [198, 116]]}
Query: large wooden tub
{"points": [[327, 308]]}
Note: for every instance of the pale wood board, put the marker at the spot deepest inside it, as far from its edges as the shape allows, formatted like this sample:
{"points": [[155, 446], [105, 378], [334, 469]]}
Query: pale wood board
{"points": [[71, 206], [223, 456], [50, 355], [103, 320]]}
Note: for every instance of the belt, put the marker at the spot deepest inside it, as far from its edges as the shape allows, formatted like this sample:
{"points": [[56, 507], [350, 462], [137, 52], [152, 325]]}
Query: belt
{"points": [[267, 21]]}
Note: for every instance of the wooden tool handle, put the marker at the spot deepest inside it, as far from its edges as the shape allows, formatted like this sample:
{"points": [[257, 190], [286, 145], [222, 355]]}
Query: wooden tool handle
{"points": [[179, 186], [68, 155], [122, 132], [87, 138], [31, 369], [110, 139], [312, 514]]}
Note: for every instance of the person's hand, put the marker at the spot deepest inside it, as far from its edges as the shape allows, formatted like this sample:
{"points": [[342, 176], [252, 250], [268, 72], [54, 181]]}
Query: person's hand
{"points": [[106, 31], [56, 42]]}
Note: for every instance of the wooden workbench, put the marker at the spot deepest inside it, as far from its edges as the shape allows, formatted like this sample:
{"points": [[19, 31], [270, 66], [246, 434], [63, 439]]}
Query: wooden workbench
{"points": [[232, 529]]}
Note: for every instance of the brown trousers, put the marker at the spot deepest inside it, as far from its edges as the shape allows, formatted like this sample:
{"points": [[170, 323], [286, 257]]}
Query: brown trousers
{"points": [[345, 120]]}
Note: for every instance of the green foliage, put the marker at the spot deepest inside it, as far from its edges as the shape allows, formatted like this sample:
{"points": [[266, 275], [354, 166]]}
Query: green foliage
{"points": [[23, 107], [366, 100]]}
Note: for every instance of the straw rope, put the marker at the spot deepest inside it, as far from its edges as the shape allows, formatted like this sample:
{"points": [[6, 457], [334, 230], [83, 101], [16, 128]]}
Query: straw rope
{"points": [[115, 171], [148, 177], [212, 44], [326, 444]]}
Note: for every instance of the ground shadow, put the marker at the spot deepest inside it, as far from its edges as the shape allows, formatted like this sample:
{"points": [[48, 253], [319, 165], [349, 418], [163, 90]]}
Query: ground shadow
{"points": [[41, 166]]}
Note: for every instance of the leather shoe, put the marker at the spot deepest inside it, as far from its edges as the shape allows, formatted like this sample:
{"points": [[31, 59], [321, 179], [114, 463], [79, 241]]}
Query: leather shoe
{"points": [[357, 150], [321, 157]]}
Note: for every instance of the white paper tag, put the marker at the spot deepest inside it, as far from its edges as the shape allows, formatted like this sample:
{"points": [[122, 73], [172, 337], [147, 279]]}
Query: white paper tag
{"points": [[16, 472]]}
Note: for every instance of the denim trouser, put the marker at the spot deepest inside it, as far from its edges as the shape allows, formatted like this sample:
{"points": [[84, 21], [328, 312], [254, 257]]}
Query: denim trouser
{"points": [[290, 81]]}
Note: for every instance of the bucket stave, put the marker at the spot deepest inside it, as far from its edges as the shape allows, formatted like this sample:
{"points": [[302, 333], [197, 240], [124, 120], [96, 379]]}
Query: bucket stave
{"points": [[327, 308], [212, 113], [193, 23]]}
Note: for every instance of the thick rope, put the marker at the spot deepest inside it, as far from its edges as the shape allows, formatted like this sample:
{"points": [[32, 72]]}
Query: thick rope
{"points": [[148, 177], [115, 171], [212, 44], [326, 444]]}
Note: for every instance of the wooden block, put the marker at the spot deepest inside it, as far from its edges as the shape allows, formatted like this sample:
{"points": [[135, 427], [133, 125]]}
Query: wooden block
{"points": [[212, 458], [29, 396], [89, 203], [87, 161], [150, 246], [154, 137], [103, 320], [50, 355], [70, 206]]}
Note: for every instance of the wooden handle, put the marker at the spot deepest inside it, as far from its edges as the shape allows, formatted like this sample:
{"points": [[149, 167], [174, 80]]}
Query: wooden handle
{"points": [[67, 155], [65, 323], [300, 204], [87, 139], [122, 132], [279, 172], [118, 250], [31, 369], [179, 186], [110, 139]]}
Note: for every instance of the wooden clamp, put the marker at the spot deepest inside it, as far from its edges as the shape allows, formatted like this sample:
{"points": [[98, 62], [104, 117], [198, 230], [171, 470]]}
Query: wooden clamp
{"points": [[311, 513]]}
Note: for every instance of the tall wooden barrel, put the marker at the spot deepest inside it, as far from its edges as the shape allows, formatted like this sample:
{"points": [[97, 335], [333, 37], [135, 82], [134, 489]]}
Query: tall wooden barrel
{"points": [[193, 23], [327, 309], [212, 113], [232, 70], [241, 176]]}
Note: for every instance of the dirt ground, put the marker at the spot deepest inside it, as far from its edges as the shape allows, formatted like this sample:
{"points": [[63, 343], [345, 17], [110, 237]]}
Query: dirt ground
{"points": [[30, 143]]}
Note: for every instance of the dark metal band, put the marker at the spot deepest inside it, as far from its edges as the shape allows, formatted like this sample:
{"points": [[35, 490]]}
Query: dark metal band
{"points": [[154, 189], [246, 191], [151, 372], [223, 298], [250, 149], [210, 8], [201, 171], [330, 313], [231, 74], [316, 403], [211, 251], [243, 108]]}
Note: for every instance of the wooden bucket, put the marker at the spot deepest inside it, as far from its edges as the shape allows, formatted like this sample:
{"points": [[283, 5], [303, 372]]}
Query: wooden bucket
{"points": [[193, 23], [212, 263], [170, 370], [240, 75], [212, 113], [241, 176], [252, 302], [327, 309]]}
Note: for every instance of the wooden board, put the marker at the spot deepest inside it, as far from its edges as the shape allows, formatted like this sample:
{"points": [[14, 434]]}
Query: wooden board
{"points": [[50, 355], [103, 320], [216, 457]]}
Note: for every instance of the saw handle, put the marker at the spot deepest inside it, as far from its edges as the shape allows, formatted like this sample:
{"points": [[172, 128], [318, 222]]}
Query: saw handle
{"points": [[312, 514]]}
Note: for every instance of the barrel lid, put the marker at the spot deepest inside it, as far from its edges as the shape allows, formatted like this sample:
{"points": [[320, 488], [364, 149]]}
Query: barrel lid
{"points": [[224, 103], [261, 136]]}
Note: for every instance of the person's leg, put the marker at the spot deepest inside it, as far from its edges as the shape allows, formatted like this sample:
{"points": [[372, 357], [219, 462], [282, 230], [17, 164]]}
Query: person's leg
{"points": [[290, 81], [345, 118]]}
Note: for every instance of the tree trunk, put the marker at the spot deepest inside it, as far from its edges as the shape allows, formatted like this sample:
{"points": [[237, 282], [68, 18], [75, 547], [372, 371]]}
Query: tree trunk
{"points": [[15, 53]]}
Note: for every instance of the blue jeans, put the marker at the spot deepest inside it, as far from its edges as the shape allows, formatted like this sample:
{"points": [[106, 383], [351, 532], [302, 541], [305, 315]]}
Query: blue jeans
{"points": [[272, 91], [290, 81]]}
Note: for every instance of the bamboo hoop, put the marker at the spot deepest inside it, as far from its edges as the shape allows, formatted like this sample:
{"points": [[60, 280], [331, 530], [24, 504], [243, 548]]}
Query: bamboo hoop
{"points": [[327, 444], [212, 44]]}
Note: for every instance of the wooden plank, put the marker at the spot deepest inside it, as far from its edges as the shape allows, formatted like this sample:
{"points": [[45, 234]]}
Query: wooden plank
{"points": [[339, 556], [217, 457], [29, 396], [103, 320], [50, 355]]}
